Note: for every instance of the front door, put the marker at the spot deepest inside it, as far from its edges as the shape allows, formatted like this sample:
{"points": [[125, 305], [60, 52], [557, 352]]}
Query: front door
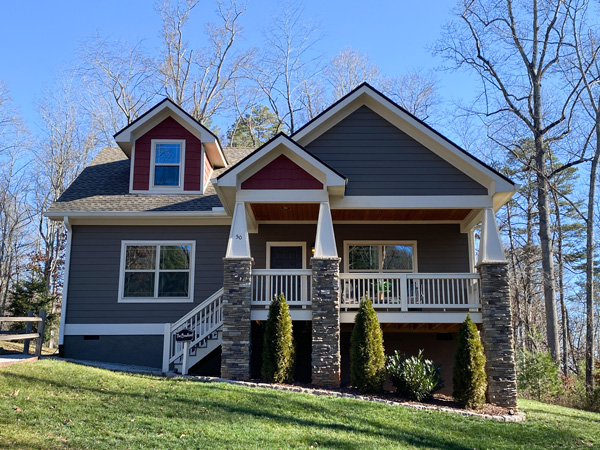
{"points": [[285, 258], [288, 257]]}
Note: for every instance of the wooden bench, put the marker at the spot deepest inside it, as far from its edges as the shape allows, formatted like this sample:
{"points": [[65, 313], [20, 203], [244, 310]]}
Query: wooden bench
{"points": [[28, 334]]}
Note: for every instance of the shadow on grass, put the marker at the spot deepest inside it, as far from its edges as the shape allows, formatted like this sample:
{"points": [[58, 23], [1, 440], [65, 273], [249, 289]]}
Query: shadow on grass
{"points": [[221, 403]]}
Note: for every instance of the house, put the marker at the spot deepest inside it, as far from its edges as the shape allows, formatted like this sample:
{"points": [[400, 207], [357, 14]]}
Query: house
{"points": [[170, 231]]}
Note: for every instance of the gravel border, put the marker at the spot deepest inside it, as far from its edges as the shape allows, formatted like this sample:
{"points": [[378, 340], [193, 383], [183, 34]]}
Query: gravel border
{"points": [[516, 417]]}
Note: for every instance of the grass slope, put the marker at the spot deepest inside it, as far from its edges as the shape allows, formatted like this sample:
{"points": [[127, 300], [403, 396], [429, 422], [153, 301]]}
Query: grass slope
{"points": [[53, 404]]}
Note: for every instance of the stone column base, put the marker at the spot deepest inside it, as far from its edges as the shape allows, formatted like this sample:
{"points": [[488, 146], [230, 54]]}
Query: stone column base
{"points": [[235, 348], [326, 322], [497, 335]]}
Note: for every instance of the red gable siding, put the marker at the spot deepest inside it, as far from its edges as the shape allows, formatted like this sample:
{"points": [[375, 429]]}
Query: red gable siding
{"points": [[168, 129], [282, 173]]}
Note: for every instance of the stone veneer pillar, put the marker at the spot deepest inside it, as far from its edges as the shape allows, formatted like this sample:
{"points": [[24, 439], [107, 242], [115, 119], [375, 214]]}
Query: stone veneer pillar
{"points": [[326, 321], [497, 334], [235, 347]]}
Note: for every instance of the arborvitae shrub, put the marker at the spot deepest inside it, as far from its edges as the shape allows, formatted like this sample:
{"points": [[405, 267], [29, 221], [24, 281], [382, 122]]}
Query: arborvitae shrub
{"points": [[278, 349], [469, 377], [367, 360], [414, 377]]}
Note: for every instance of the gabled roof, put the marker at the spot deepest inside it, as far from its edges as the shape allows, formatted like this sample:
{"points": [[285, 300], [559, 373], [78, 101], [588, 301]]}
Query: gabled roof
{"points": [[368, 96], [166, 108], [229, 181], [103, 189], [336, 178]]}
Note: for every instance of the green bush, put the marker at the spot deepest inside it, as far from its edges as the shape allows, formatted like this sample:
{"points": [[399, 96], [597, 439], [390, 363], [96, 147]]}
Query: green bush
{"points": [[367, 359], [278, 350], [414, 377], [469, 377], [538, 375]]}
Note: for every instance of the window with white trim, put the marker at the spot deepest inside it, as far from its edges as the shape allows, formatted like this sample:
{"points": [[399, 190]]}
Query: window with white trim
{"points": [[157, 271], [381, 256], [167, 163]]}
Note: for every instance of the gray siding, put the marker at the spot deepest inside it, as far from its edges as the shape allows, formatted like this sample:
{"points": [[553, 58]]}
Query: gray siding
{"points": [[95, 263], [379, 159], [130, 350], [96, 253], [440, 248]]}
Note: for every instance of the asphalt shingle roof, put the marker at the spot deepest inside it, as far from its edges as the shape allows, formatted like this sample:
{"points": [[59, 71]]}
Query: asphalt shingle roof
{"points": [[103, 186]]}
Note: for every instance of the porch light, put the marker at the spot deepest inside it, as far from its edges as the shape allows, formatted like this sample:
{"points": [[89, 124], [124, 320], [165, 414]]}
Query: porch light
{"points": [[312, 249]]}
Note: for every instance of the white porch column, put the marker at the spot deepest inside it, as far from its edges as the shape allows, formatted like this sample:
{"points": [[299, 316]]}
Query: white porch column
{"points": [[490, 245], [325, 241], [238, 245]]}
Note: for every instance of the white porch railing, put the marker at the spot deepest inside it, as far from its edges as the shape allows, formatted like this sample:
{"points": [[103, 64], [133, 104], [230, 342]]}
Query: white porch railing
{"points": [[411, 291], [203, 320], [295, 284]]}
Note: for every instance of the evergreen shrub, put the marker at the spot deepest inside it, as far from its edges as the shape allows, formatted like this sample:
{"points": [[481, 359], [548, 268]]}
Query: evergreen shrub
{"points": [[367, 358], [469, 377], [414, 377], [278, 350]]}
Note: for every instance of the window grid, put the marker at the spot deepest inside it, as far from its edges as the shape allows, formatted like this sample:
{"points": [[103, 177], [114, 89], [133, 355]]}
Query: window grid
{"points": [[157, 270]]}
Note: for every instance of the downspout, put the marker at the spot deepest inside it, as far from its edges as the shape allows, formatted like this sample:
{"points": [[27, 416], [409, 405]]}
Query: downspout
{"points": [[67, 271]]}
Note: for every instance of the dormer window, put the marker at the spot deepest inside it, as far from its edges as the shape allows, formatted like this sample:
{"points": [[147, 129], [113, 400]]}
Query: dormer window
{"points": [[166, 168]]}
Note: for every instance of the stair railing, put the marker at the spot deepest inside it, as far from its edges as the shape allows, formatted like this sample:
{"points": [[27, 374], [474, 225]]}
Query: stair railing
{"points": [[203, 320]]}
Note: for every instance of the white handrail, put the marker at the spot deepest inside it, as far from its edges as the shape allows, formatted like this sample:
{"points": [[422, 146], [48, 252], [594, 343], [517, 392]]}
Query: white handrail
{"points": [[406, 291], [204, 319], [295, 284]]}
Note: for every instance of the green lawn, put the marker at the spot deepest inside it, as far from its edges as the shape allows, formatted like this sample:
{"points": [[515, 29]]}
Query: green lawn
{"points": [[54, 404]]}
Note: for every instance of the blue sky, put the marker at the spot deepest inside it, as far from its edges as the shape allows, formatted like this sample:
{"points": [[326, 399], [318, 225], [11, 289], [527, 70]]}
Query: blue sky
{"points": [[41, 38]]}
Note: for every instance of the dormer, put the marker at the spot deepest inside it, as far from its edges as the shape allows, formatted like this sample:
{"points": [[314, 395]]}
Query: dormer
{"points": [[170, 152]]}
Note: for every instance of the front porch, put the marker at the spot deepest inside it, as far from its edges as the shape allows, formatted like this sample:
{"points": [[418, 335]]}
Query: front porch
{"points": [[397, 297]]}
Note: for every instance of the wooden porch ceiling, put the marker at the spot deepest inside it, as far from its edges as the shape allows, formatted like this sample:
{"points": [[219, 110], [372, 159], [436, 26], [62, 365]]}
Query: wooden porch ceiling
{"points": [[265, 212]]}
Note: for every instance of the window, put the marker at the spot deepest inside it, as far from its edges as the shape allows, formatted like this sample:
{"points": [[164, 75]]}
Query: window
{"points": [[381, 256], [156, 271], [167, 167]]}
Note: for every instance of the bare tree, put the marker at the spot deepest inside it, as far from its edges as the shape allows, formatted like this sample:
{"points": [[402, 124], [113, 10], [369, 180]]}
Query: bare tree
{"points": [[15, 213], [415, 91], [584, 68], [514, 46], [287, 63], [348, 69], [119, 81], [62, 151], [176, 59]]}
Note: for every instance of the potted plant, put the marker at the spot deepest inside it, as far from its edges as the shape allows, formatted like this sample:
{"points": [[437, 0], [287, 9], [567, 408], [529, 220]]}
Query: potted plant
{"points": [[382, 287]]}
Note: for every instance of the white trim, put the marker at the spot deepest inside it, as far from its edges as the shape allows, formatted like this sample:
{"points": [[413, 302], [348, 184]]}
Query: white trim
{"points": [[286, 244], [152, 188], [295, 314], [114, 329], [365, 95], [325, 244], [412, 201], [126, 137], [416, 317], [282, 196], [491, 249], [58, 215], [238, 244], [65, 289], [298, 155], [156, 270], [412, 243], [131, 168]]}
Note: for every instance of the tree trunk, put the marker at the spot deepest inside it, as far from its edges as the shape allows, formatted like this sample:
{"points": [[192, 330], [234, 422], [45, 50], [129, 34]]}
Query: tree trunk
{"points": [[589, 269], [547, 253]]}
